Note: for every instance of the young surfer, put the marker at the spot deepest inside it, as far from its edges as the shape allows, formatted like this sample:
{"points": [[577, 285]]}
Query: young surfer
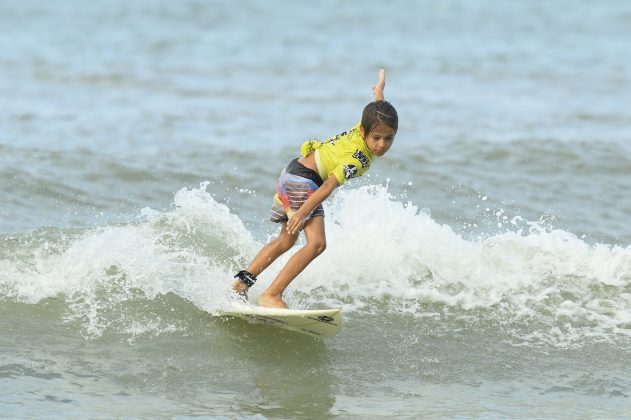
{"points": [[306, 182]]}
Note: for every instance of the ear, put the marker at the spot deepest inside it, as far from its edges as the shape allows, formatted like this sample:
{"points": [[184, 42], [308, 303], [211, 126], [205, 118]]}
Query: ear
{"points": [[362, 131]]}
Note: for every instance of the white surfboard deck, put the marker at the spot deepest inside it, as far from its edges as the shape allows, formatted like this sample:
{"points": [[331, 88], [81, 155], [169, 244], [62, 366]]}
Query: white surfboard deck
{"points": [[315, 322]]}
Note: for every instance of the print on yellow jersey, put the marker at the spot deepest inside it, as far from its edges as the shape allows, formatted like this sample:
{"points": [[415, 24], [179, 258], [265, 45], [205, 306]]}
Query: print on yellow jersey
{"points": [[344, 156]]}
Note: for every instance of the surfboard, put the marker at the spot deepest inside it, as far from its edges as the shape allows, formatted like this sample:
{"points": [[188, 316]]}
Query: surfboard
{"points": [[314, 322]]}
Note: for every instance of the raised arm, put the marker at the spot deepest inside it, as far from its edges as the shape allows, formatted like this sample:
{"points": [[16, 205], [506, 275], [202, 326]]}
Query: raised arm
{"points": [[377, 89]]}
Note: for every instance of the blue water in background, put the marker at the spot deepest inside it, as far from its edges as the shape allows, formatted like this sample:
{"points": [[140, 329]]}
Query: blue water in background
{"points": [[513, 299]]}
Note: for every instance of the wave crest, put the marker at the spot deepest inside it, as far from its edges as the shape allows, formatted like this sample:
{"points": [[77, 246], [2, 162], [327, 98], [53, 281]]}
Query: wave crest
{"points": [[383, 256]]}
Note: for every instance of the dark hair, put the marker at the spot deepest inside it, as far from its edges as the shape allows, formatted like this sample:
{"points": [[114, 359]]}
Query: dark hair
{"points": [[379, 112]]}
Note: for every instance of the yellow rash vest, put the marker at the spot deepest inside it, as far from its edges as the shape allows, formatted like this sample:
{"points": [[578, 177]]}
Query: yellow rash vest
{"points": [[344, 156]]}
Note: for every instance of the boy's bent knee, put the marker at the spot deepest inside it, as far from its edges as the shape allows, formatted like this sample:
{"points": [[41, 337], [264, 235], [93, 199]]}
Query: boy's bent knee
{"points": [[317, 246], [285, 244]]}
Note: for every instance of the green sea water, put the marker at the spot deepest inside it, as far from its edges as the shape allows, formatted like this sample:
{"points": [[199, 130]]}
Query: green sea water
{"points": [[483, 265]]}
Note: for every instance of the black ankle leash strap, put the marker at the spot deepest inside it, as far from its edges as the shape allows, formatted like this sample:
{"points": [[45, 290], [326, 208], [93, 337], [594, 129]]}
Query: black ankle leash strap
{"points": [[246, 278]]}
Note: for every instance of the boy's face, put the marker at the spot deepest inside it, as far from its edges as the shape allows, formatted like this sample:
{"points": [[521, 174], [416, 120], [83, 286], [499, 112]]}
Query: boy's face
{"points": [[379, 140]]}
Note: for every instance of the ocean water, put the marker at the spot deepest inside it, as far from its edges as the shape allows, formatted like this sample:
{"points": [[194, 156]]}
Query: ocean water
{"points": [[483, 265]]}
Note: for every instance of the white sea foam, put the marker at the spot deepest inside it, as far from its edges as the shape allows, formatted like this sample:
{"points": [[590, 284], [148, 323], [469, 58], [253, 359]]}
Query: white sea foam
{"points": [[383, 249], [190, 250], [382, 255]]}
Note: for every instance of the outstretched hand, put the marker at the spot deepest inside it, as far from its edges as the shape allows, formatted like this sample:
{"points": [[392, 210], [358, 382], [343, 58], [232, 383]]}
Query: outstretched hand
{"points": [[377, 89]]}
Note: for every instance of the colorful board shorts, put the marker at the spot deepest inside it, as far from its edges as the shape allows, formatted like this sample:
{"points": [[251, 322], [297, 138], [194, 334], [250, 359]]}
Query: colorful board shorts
{"points": [[295, 185]]}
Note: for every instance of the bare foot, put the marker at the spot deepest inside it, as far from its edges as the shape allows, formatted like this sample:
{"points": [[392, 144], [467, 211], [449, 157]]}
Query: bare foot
{"points": [[240, 289], [271, 301]]}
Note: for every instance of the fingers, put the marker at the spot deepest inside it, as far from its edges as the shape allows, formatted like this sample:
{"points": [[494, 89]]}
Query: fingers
{"points": [[295, 227], [291, 229], [294, 224], [382, 77], [291, 224]]}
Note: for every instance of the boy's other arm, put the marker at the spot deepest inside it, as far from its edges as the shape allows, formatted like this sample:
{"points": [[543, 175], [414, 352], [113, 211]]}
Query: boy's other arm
{"points": [[377, 89]]}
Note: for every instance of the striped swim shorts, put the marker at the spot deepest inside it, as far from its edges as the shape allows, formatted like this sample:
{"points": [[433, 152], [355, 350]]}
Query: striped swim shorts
{"points": [[295, 185]]}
